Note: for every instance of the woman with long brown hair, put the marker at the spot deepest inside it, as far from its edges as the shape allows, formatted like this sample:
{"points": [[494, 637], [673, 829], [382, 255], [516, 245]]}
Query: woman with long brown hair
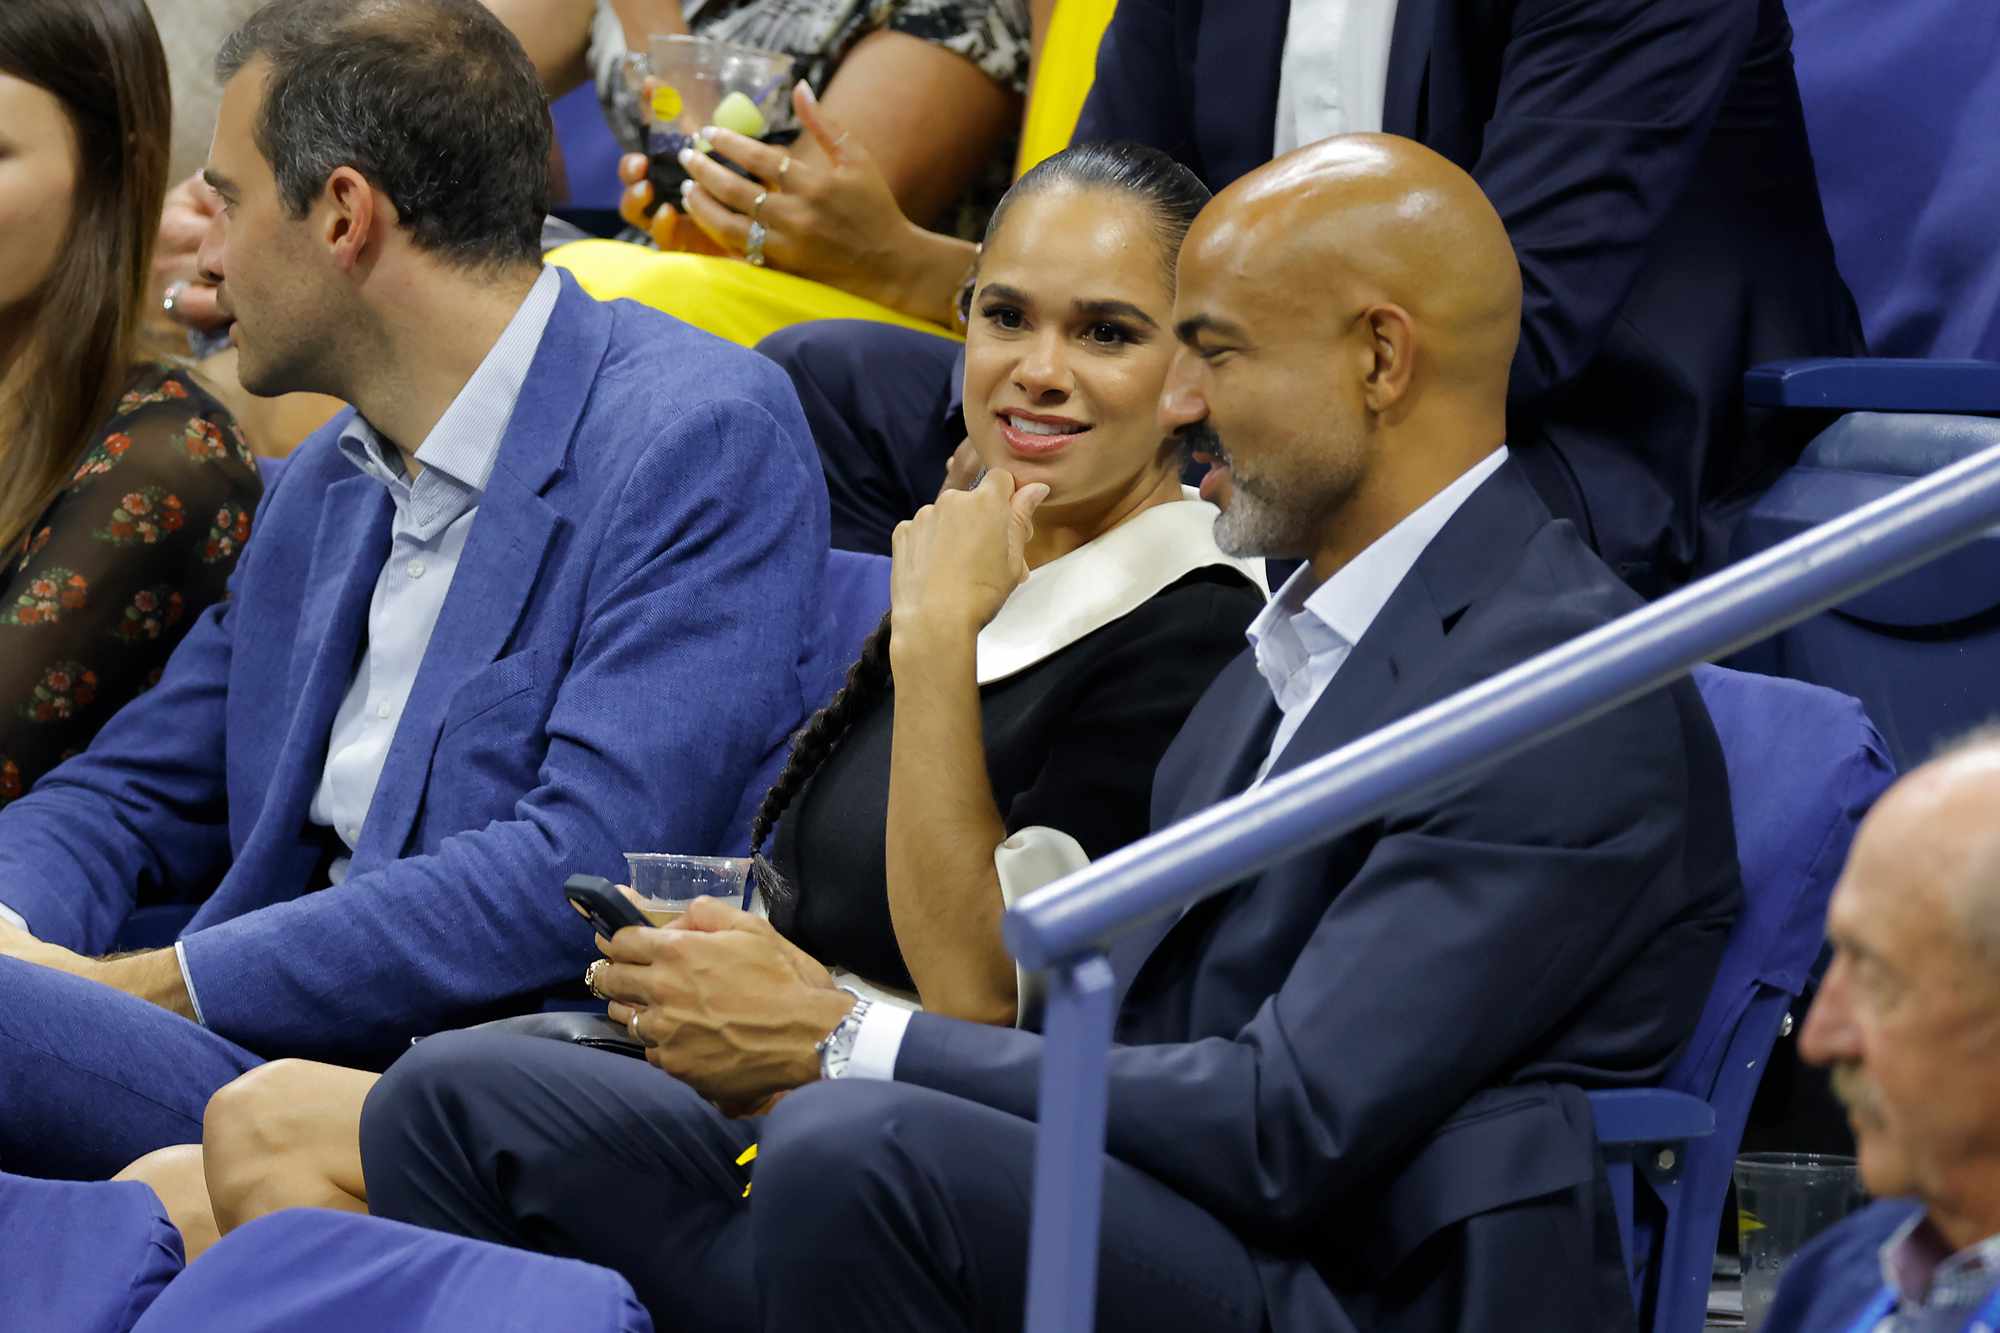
{"points": [[125, 490]]}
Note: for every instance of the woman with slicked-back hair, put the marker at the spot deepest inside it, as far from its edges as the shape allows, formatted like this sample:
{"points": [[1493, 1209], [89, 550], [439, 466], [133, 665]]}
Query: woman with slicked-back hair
{"points": [[1049, 631], [125, 490]]}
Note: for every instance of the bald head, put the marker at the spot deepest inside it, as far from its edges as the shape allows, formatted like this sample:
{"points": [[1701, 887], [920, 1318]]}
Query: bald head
{"points": [[1364, 219], [1937, 834]]}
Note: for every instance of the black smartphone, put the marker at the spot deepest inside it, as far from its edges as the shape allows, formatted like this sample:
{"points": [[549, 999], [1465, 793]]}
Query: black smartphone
{"points": [[608, 910]]}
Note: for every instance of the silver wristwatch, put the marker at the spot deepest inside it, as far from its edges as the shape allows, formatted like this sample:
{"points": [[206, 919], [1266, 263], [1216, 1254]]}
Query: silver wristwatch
{"points": [[836, 1048]]}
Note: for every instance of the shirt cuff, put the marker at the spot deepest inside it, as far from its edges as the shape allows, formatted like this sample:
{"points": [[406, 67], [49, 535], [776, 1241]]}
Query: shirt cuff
{"points": [[194, 1000], [877, 1044], [14, 918]]}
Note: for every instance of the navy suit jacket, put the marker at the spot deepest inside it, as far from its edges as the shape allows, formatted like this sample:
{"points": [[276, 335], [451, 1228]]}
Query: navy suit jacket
{"points": [[1367, 1059], [627, 644], [1649, 159]]}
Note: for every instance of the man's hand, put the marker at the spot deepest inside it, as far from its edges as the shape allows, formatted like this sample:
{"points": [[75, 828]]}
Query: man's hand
{"points": [[153, 976], [725, 1003]]}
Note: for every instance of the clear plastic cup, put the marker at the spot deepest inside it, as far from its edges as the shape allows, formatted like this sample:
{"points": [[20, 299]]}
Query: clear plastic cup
{"points": [[1783, 1200], [667, 882], [683, 81]]}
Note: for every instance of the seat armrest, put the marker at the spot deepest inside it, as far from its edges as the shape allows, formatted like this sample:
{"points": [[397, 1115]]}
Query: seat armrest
{"points": [[1875, 384], [1649, 1115]]}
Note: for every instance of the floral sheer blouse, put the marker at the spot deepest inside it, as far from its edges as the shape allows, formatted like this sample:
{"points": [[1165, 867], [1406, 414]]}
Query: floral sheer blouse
{"points": [[104, 584]]}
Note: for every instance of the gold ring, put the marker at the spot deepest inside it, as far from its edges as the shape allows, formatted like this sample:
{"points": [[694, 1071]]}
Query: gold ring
{"points": [[757, 204], [784, 165], [632, 1026], [590, 978]]}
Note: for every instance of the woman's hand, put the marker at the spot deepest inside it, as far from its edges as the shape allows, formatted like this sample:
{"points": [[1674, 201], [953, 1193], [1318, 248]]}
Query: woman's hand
{"points": [[829, 216], [667, 225], [963, 469], [959, 559], [183, 226]]}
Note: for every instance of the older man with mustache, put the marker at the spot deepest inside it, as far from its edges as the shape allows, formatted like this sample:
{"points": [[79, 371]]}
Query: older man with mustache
{"points": [[1909, 1021]]}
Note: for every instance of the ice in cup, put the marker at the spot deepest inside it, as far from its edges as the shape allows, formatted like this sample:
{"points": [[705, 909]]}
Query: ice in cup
{"points": [[688, 83], [667, 882]]}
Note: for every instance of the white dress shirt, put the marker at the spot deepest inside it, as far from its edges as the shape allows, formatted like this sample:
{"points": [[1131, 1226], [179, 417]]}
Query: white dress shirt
{"points": [[1300, 640], [433, 516], [1334, 72]]}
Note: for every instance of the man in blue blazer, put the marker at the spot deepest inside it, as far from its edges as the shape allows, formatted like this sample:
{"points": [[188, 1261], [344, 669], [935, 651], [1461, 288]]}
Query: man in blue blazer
{"points": [[1908, 1019], [1348, 1093], [546, 596], [1648, 157]]}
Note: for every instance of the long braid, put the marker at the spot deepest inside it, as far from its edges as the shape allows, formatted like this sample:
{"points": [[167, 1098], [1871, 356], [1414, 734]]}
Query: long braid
{"points": [[814, 743]]}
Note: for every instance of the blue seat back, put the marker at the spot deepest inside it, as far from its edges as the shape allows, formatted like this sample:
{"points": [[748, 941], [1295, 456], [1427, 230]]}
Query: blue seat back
{"points": [[1804, 765], [82, 1256], [590, 153], [308, 1270], [857, 597], [1922, 652], [1900, 101]]}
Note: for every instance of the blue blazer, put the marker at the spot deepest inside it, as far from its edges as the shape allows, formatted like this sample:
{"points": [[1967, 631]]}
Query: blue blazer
{"points": [[1829, 1284], [627, 645], [1367, 1059], [1649, 159]]}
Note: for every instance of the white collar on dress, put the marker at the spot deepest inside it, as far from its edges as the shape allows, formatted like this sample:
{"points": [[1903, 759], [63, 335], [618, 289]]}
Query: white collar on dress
{"points": [[1103, 580]]}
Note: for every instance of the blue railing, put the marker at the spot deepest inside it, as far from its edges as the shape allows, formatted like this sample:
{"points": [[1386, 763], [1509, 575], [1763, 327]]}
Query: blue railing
{"points": [[1065, 929]]}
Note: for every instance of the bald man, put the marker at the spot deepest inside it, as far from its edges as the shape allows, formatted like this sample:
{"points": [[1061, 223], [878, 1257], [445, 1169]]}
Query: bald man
{"points": [[1348, 1092], [1908, 1019]]}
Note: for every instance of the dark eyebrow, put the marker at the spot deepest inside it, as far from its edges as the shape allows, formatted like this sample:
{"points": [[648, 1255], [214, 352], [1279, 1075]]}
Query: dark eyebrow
{"points": [[1190, 329], [218, 182], [1115, 310], [1005, 293]]}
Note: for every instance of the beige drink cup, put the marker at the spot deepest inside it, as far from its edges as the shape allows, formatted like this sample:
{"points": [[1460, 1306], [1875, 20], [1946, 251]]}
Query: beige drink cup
{"points": [[666, 882]]}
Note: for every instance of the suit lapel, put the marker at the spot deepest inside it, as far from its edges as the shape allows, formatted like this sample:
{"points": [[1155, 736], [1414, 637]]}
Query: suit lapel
{"points": [[349, 547], [1232, 740], [1238, 54], [503, 558], [1409, 65]]}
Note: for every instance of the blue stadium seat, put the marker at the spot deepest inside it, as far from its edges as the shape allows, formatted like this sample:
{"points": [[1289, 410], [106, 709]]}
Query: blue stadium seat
{"points": [[1804, 766], [1922, 653], [857, 597], [307, 1270], [82, 1257], [1896, 100], [1899, 103]]}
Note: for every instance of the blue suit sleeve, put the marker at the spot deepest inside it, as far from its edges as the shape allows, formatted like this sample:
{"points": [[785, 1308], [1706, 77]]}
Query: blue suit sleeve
{"points": [[1603, 111], [685, 681]]}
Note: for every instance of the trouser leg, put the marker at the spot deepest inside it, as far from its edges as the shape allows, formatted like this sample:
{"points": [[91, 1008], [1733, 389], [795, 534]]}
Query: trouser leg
{"points": [[889, 1207], [586, 1154], [876, 397], [92, 1079]]}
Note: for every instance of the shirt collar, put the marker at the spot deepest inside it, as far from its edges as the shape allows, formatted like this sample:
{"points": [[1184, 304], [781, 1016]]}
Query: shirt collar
{"points": [[1101, 581], [1917, 1267], [459, 454], [1304, 622]]}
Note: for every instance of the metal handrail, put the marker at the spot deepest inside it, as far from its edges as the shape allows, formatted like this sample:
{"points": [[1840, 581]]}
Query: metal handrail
{"points": [[1064, 929]]}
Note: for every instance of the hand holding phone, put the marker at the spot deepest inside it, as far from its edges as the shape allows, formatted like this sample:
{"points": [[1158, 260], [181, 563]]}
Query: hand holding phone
{"points": [[608, 910]]}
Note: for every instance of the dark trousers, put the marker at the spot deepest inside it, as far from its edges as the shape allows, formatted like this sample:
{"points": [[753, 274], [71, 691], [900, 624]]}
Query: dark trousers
{"points": [[877, 1206], [879, 401]]}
